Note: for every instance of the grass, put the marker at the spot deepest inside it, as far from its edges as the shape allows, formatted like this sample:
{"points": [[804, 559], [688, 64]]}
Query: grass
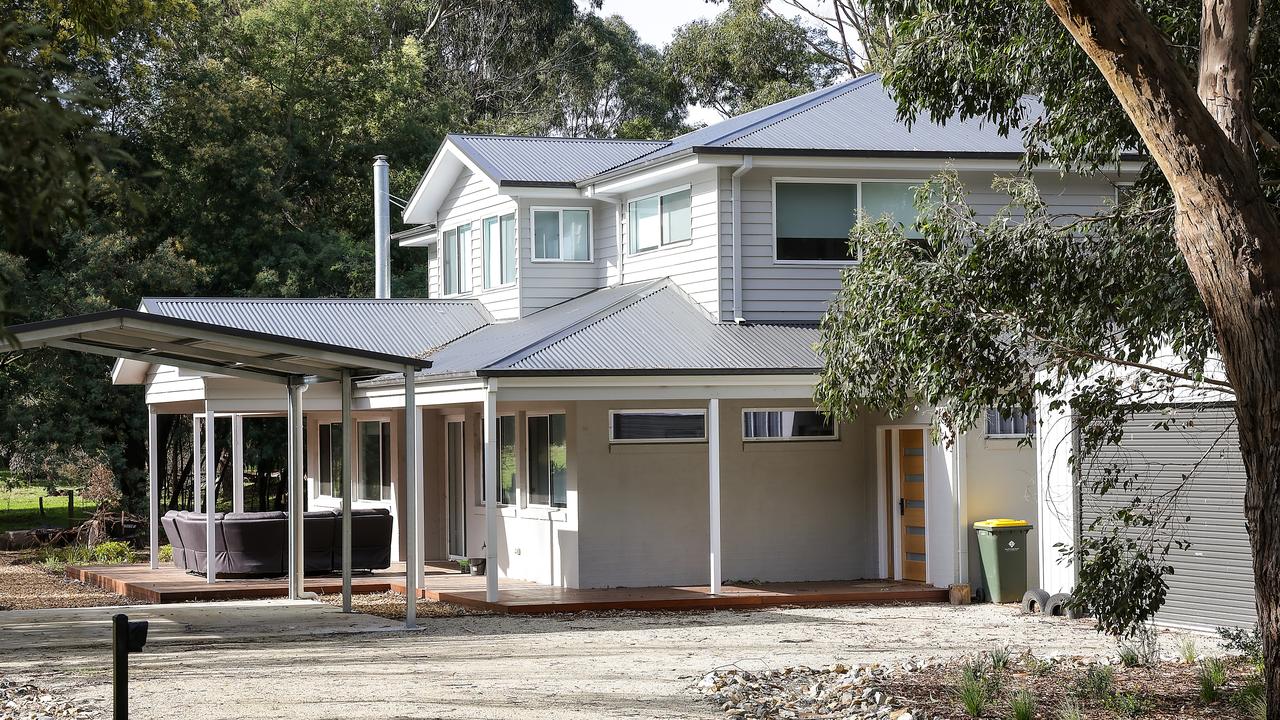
{"points": [[1213, 675], [1128, 704], [114, 552], [975, 689], [20, 509], [1023, 705], [1098, 681], [1188, 652]]}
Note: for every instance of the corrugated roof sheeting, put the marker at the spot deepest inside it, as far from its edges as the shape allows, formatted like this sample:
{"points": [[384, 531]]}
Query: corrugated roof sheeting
{"points": [[662, 329], [398, 327], [549, 160]]}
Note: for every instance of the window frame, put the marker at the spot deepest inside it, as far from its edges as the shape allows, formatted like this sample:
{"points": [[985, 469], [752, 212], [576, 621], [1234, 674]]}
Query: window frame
{"points": [[859, 181], [702, 412], [517, 489], [559, 210], [484, 252], [528, 446], [1028, 421], [662, 245], [384, 436], [464, 258], [833, 437]]}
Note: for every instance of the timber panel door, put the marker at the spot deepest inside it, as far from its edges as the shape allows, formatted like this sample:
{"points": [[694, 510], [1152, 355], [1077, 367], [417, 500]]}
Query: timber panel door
{"points": [[456, 483], [911, 507]]}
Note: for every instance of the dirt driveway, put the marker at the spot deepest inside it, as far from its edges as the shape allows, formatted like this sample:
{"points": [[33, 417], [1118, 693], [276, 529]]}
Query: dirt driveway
{"points": [[626, 665]]}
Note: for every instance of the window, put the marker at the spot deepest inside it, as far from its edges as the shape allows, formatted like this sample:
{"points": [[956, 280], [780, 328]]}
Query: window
{"points": [[659, 220], [813, 218], [1010, 425], [787, 425], [508, 471], [454, 270], [374, 480], [499, 251], [331, 459], [546, 449], [657, 426], [562, 234]]}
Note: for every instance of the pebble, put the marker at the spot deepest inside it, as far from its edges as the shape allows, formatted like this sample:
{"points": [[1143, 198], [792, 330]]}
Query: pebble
{"points": [[838, 690], [22, 700]]}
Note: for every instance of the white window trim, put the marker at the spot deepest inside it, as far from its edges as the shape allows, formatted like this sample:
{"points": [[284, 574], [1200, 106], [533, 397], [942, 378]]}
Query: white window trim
{"points": [[830, 181], [1030, 433], [484, 258], [702, 412], [355, 501], [834, 436], [466, 250], [626, 219], [516, 488], [529, 472], [559, 210]]}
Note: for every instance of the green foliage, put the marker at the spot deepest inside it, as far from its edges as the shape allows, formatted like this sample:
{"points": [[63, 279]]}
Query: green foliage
{"points": [[1212, 676], [747, 57], [1097, 681], [20, 508], [1023, 705], [974, 690], [1128, 704], [1000, 659], [165, 553], [1245, 641], [113, 552], [1070, 710], [1188, 651]]}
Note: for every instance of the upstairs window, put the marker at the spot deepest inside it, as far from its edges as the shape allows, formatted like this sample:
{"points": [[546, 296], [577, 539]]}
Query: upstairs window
{"points": [[663, 219], [455, 265], [787, 425], [813, 218], [499, 251], [1010, 425], [562, 234]]}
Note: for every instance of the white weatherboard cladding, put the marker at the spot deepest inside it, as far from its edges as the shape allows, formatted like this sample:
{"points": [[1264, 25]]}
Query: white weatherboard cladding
{"points": [[1212, 582], [544, 283], [800, 292], [691, 264], [471, 200]]}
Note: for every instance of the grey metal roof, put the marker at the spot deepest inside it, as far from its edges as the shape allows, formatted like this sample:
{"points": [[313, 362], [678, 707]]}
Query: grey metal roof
{"points": [[638, 328], [857, 116], [409, 327], [515, 160]]}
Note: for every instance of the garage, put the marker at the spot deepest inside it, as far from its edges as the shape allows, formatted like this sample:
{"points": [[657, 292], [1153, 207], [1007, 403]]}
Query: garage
{"points": [[1195, 447]]}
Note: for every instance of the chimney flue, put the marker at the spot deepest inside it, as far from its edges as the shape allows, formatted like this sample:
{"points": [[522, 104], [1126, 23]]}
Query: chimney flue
{"points": [[381, 229]]}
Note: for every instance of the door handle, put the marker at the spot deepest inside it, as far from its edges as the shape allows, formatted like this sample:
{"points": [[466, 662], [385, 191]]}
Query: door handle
{"points": [[902, 506]]}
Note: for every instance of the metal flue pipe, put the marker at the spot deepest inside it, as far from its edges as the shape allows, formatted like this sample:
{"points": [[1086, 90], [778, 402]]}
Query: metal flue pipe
{"points": [[381, 228]]}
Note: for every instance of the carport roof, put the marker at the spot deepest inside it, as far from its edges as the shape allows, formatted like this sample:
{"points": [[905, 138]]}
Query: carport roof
{"points": [[204, 347]]}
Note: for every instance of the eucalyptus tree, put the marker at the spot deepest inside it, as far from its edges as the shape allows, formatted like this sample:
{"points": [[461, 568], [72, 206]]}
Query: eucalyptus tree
{"points": [[989, 313]]}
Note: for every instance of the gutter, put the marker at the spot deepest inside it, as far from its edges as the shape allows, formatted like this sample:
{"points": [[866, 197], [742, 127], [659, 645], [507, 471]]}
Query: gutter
{"points": [[736, 190]]}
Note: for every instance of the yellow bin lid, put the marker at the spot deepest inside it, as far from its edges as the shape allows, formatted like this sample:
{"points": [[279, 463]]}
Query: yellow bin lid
{"points": [[1000, 523]]}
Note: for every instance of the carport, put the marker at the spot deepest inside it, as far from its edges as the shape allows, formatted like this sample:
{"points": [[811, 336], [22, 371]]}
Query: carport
{"points": [[225, 351]]}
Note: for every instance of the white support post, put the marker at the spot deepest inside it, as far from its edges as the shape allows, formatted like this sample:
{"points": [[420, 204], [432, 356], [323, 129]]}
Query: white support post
{"points": [[491, 492], [153, 477], [349, 451], [713, 465], [411, 485], [210, 501], [196, 461], [420, 506], [237, 463], [293, 392]]}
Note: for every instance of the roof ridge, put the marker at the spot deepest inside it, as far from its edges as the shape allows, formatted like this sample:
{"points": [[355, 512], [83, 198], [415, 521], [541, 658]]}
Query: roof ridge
{"points": [[569, 329], [433, 301], [837, 90], [559, 138]]}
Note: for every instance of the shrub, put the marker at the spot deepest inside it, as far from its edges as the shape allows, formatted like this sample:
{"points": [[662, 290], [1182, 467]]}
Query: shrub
{"points": [[1245, 641], [1023, 705], [166, 553], [1187, 650], [1130, 705], [113, 552], [1070, 710], [1000, 659], [1213, 675], [1098, 681], [1140, 648], [974, 692], [1040, 667]]}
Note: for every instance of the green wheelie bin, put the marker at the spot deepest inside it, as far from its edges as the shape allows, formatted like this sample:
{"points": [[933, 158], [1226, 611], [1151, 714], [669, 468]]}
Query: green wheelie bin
{"points": [[1002, 546]]}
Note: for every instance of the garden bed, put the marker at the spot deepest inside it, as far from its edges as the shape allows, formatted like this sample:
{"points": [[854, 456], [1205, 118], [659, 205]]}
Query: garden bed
{"points": [[26, 584]]}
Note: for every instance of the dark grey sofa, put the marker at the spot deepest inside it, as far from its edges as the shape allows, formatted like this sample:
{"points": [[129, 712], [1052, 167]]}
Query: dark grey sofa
{"points": [[256, 544]]}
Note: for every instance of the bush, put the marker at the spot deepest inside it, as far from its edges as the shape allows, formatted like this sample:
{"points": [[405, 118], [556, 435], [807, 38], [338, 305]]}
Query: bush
{"points": [[166, 553], [1130, 705], [1070, 710], [56, 560], [1023, 706], [1098, 681], [1187, 650], [1000, 659], [974, 692], [1247, 642], [113, 552], [1213, 675]]}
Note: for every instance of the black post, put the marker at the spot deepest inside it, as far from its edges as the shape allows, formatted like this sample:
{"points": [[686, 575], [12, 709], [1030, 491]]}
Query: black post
{"points": [[120, 666], [41, 499], [71, 508]]}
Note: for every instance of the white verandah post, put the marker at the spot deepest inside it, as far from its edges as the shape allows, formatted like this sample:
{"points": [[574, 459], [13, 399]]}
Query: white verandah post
{"points": [[349, 450], [237, 463], [210, 500], [293, 393], [713, 465], [411, 485], [195, 463], [153, 478], [490, 465]]}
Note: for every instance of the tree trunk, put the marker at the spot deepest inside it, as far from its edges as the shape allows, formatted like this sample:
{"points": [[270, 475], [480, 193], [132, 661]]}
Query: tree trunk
{"points": [[1201, 137]]}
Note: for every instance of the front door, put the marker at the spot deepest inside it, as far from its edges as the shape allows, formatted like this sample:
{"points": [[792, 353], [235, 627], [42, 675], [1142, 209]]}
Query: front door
{"points": [[455, 476], [910, 484]]}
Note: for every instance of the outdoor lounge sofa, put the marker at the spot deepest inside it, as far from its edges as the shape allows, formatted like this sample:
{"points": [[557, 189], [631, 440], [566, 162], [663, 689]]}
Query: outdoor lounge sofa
{"points": [[256, 543]]}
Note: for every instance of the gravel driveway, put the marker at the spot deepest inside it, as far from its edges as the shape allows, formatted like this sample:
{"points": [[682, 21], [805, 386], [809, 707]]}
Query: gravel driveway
{"points": [[630, 665]]}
